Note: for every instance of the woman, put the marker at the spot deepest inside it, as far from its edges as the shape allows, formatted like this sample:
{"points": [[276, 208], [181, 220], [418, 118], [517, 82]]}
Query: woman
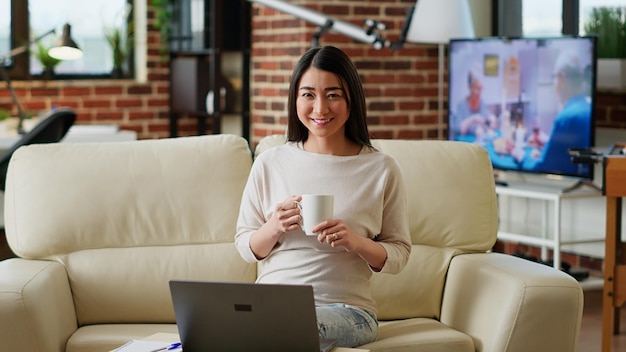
{"points": [[328, 152]]}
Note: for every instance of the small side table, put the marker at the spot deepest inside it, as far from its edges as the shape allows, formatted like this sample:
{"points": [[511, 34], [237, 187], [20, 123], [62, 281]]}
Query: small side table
{"points": [[614, 295]]}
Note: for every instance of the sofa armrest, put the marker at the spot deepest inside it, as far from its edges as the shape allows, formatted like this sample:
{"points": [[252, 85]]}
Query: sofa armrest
{"points": [[508, 304], [36, 306]]}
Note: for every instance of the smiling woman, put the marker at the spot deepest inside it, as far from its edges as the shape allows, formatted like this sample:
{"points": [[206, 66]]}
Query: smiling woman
{"points": [[328, 152]]}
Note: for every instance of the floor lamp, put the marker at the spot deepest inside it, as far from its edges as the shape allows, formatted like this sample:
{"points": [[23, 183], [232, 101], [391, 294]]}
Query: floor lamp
{"points": [[64, 49], [436, 22]]}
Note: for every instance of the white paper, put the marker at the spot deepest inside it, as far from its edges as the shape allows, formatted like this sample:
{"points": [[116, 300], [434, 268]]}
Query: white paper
{"points": [[145, 346]]}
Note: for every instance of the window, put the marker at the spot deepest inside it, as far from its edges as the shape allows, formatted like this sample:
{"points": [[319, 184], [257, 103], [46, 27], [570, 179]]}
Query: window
{"points": [[32, 18], [587, 5], [541, 18], [532, 18], [5, 26]]}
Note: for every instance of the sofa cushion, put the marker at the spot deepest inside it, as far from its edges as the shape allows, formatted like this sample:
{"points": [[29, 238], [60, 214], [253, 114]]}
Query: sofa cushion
{"points": [[143, 212], [419, 334], [108, 337], [452, 199], [417, 290]]}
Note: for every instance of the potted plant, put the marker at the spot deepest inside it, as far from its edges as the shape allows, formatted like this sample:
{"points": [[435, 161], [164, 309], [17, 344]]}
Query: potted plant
{"points": [[120, 41], [9, 122], [609, 24], [120, 38], [162, 18], [48, 63], [4, 114]]}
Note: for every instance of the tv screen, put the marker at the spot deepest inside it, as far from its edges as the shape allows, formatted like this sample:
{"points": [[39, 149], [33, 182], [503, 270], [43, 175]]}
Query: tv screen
{"points": [[526, 100]]}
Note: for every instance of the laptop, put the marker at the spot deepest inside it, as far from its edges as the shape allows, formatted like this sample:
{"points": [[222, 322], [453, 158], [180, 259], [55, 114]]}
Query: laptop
{"points": [[228, 316]]}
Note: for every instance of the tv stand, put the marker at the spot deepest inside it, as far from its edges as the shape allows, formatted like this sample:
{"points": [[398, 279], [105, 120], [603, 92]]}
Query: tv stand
{"points": [[502, 183], [581, 184], [550, 234]]}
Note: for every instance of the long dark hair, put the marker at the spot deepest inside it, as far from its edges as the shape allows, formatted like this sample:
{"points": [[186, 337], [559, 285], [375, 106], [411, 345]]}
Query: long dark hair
{"points": [[331, 59]]}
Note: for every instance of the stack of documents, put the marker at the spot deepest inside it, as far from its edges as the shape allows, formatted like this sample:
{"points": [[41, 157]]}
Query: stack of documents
{"points": [[156, 343]]}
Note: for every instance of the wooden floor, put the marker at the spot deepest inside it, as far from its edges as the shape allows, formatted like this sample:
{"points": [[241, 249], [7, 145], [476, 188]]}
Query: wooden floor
{"points": [[591, 326]]}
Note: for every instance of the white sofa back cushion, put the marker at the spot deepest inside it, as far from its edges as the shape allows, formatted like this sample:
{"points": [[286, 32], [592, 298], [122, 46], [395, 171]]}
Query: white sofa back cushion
{"points": [[94, 208], [451, 192], [453, 210]]}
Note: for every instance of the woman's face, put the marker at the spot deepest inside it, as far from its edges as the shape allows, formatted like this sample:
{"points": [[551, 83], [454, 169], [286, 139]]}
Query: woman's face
{"points": [[322, 104]]}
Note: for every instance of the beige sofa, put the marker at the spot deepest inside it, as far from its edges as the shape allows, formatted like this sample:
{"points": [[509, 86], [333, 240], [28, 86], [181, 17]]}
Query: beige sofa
{"points": [[100, 229]]}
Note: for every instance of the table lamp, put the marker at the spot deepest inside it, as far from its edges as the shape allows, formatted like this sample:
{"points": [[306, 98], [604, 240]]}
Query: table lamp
{"points": [[64, 49]]}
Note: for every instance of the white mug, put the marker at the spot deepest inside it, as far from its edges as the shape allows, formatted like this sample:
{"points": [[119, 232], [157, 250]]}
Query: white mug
{"points": [[315, 208]]}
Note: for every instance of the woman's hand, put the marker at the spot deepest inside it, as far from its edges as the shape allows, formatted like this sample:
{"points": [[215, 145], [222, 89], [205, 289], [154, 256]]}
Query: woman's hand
{"points": [[286, 215], [337, 233]]}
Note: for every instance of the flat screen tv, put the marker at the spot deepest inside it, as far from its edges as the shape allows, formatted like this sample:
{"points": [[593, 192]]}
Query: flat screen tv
{"points": [[526, 100]]}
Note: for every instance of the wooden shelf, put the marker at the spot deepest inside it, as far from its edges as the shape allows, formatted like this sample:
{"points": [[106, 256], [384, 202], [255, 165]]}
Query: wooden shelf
{"points": [[201, 66]]}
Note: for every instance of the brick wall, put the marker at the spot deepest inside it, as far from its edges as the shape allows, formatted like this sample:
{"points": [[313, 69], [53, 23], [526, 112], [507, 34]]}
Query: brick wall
{"points": [[401, 86], [611, 109]]}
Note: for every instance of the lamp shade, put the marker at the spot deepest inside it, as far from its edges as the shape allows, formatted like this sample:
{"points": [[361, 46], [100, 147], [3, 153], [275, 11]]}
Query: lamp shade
{"points": [[66, 48], [438, 21]]}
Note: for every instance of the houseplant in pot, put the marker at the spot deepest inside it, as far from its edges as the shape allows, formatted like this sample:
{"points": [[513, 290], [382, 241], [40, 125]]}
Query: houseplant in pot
{"points": [[120, 39], [48, 63], [609, 24], [162, 17], [121, 44]]}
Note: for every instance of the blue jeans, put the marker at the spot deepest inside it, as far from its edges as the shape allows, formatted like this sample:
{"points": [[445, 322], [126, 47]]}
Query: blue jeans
{"points": [[350, 326]]}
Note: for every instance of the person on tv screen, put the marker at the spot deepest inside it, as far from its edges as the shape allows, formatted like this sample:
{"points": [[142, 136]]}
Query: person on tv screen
{"points": [[471, 120], [571, 124], [328, 151]]}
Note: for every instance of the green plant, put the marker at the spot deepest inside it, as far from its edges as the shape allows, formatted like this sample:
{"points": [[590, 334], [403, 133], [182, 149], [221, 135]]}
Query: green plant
{"points": [[162, 19], [4, 114], [41, 54], [609, 24], [120, 38], [121, 43]]}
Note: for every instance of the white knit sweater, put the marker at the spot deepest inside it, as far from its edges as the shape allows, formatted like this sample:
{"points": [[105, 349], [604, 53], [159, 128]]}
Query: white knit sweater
{"points": [[369, 197]]}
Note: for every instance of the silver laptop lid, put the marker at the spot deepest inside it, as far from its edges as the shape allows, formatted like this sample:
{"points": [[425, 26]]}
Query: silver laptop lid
{"points": [[226, 316]]}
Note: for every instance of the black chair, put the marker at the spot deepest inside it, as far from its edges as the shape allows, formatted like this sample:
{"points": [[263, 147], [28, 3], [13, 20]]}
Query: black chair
{"points": [[51, 129]]}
